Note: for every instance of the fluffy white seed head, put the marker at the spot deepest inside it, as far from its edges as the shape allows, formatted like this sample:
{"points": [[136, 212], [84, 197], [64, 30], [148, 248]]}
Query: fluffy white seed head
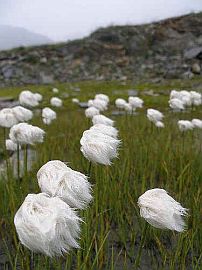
{"points": [[7, 118], [98, 147], [22, 114], [58, 180], [197, 123], [154, 115], [56, 102], [38, 97], [101, 119], [159, 124], [161, 210], [107, 130], [75, 100], [102, 97], [185, 125], [28, 99], [128, 107], [24, 133], [47, 225], [48, 115], [135, 102], [91, 111], [100, 104], [196, 98], [176, 104], [120, 103], [55, 90], [11, 146]]}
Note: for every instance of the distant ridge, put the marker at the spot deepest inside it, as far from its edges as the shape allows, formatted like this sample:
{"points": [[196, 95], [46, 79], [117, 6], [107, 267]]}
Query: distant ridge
{"points": [[169, 49], [12, 37]]}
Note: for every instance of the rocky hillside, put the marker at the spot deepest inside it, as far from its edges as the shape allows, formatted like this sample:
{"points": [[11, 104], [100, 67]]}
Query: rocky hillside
{"points": [[167, 49]]}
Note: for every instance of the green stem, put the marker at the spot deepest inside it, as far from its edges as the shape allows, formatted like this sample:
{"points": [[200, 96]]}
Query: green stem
{"points": [[18, 161], [26, 160], [142, 242]]}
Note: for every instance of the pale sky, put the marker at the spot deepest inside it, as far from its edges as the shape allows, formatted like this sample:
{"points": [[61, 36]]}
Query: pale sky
{"points": [[69, 19]]}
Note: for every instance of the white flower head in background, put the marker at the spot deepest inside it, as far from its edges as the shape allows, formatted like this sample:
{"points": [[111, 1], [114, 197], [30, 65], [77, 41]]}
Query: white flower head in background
{"points": [[75, 100], [101, 119], [38, 97], [55, 90], [100, 104], [120, 103], [56, 102], [197, 123], [58, 180], [154, 115], [176, 104], [102, 97], [135, 102], [196, 98], [161, 210], [159, 124], [7, 118], [185, 125], [47, 225], [48, 115], [107, 130], [28, 99], [24, 133], [11, 146], [128, 107], [22, 114], [91, 111]]}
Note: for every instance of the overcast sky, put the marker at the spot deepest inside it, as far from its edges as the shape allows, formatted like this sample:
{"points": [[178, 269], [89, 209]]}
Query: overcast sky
{"points": [[68, 19]]}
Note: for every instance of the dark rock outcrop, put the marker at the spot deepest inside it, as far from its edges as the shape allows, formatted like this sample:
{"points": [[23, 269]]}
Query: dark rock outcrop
{"points": [[168, 49]]}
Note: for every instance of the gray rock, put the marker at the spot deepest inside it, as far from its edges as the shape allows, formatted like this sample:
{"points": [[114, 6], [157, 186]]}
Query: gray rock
{"points": [[193, 52], [196, 68], [46, 78]]}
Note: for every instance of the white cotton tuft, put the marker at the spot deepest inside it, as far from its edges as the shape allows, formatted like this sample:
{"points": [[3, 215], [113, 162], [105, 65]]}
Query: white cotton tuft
{"points": [[91, 111], [128, 107], [154, 115], [102, 97], [98, 147], [176, 104], [24, 133], [185, 125], [28, 99], [11, 146], [55, 90], [7, 118], [48, 115], [120, 103], [196, 98], [197, 123], [47, 225], [38, 97], [101, 119], [100, 104], [107, 130], [159, 124], [56, 102], [75, 100], [58, 180], [22, 114], [161, 210], [135, 102]]}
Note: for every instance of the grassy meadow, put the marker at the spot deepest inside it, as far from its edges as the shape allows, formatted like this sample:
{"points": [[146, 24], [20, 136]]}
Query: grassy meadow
{"points": [[148, 158]]}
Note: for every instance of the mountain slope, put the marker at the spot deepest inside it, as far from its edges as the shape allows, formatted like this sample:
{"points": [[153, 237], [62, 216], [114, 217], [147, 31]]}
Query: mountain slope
{"points": [[11, 37], [168, 49]]}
